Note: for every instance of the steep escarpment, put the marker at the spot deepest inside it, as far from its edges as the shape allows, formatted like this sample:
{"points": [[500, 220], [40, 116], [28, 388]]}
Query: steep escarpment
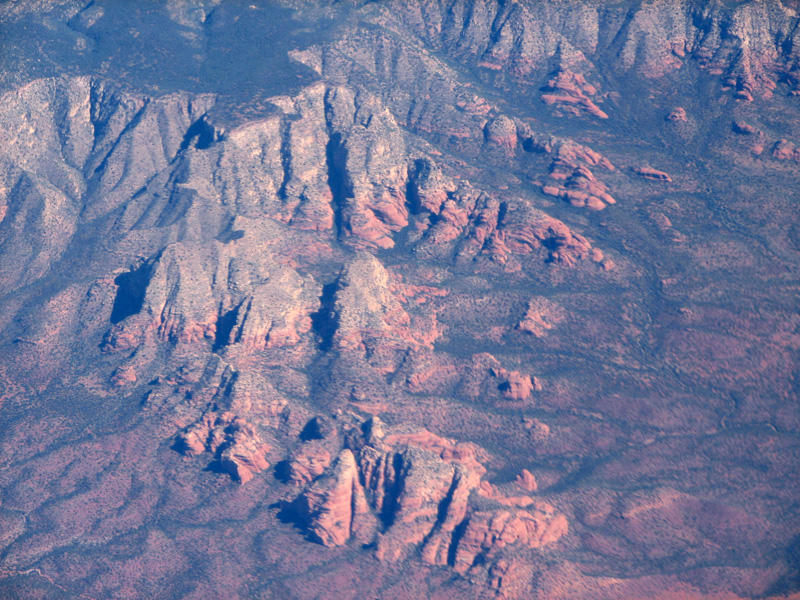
{"points": [[407, 491], [76, 149], [218, 294], [750, 45], [459, 299]]}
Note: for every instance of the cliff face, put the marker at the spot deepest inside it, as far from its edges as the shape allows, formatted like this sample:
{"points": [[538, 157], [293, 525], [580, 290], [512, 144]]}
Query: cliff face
{"points": [[82, 149], [405, 492], [751, 45], [458, 299]]}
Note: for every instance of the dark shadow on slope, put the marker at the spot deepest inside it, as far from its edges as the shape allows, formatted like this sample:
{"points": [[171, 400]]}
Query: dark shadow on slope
{"points": [[131, 288], [325, 321], [180, 201], [201, 133], [458, 533], [228, 234], [419, 169], [790, 581], [283, 471], [391, 501], [294, 513], [225, 323], [336, 158], [551, 244], [318, 428]]}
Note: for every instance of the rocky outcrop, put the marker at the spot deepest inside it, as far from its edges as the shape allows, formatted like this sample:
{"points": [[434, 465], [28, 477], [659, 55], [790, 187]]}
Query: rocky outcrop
{"points": [[412, 490], [369, 169], [308, 463], [368, 319], [750, 44], [410, 487], [570, 177], [677, 114], [743, 128], [249, 394], [538, 430], [525, 229], [277, 166], [526, 481], [567, 154], [235, 444], [465, 222], [219, 294], [652, 174], [786, 150], [488, 532], [429, 187], [335, 507], [582, 189], [327, 159], [501, 133], [515, 385], [239, 411], [571, 94], [486, 379], [75, 149], [541, 315]]}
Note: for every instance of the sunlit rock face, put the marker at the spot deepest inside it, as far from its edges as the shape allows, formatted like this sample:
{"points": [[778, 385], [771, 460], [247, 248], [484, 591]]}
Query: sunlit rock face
{"points": [[403, 299]]}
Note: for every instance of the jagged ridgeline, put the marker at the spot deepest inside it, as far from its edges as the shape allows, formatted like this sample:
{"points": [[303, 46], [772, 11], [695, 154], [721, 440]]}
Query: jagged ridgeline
{"points": [[403, 299]]}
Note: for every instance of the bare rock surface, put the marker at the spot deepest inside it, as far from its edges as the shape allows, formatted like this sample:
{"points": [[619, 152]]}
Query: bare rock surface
{"points": [[412, 490], [475, 299]]}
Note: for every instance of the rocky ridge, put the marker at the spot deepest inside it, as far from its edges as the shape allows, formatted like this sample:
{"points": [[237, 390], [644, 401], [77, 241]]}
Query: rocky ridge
{"points": [[420, 251], [417, 491]]}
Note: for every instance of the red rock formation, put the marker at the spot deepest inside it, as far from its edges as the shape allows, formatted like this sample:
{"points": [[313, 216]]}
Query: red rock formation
{"points": [[186, 289], [487, 490], [514, 385], [449, 450], [251, 395], [236, 445], [581, 188], [335, 507], [541, 316], [509, 578], [486, 378], [539, 431], [522, 230], [370, 319], [471, 220], [572, 94], [786, 150], [277, 313], [308, 463], [488, 532], [568, 152], [412, 484], [526, 481], [677, 114], [429, 187], [417, 485], [526, 230], [123, 376], [743, 128], [570, 177], [651, 173], [328, 151], [501, 132]]}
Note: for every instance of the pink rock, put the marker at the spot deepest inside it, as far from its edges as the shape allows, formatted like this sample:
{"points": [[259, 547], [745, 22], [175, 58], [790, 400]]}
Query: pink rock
{"points": [[651, 173]]}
